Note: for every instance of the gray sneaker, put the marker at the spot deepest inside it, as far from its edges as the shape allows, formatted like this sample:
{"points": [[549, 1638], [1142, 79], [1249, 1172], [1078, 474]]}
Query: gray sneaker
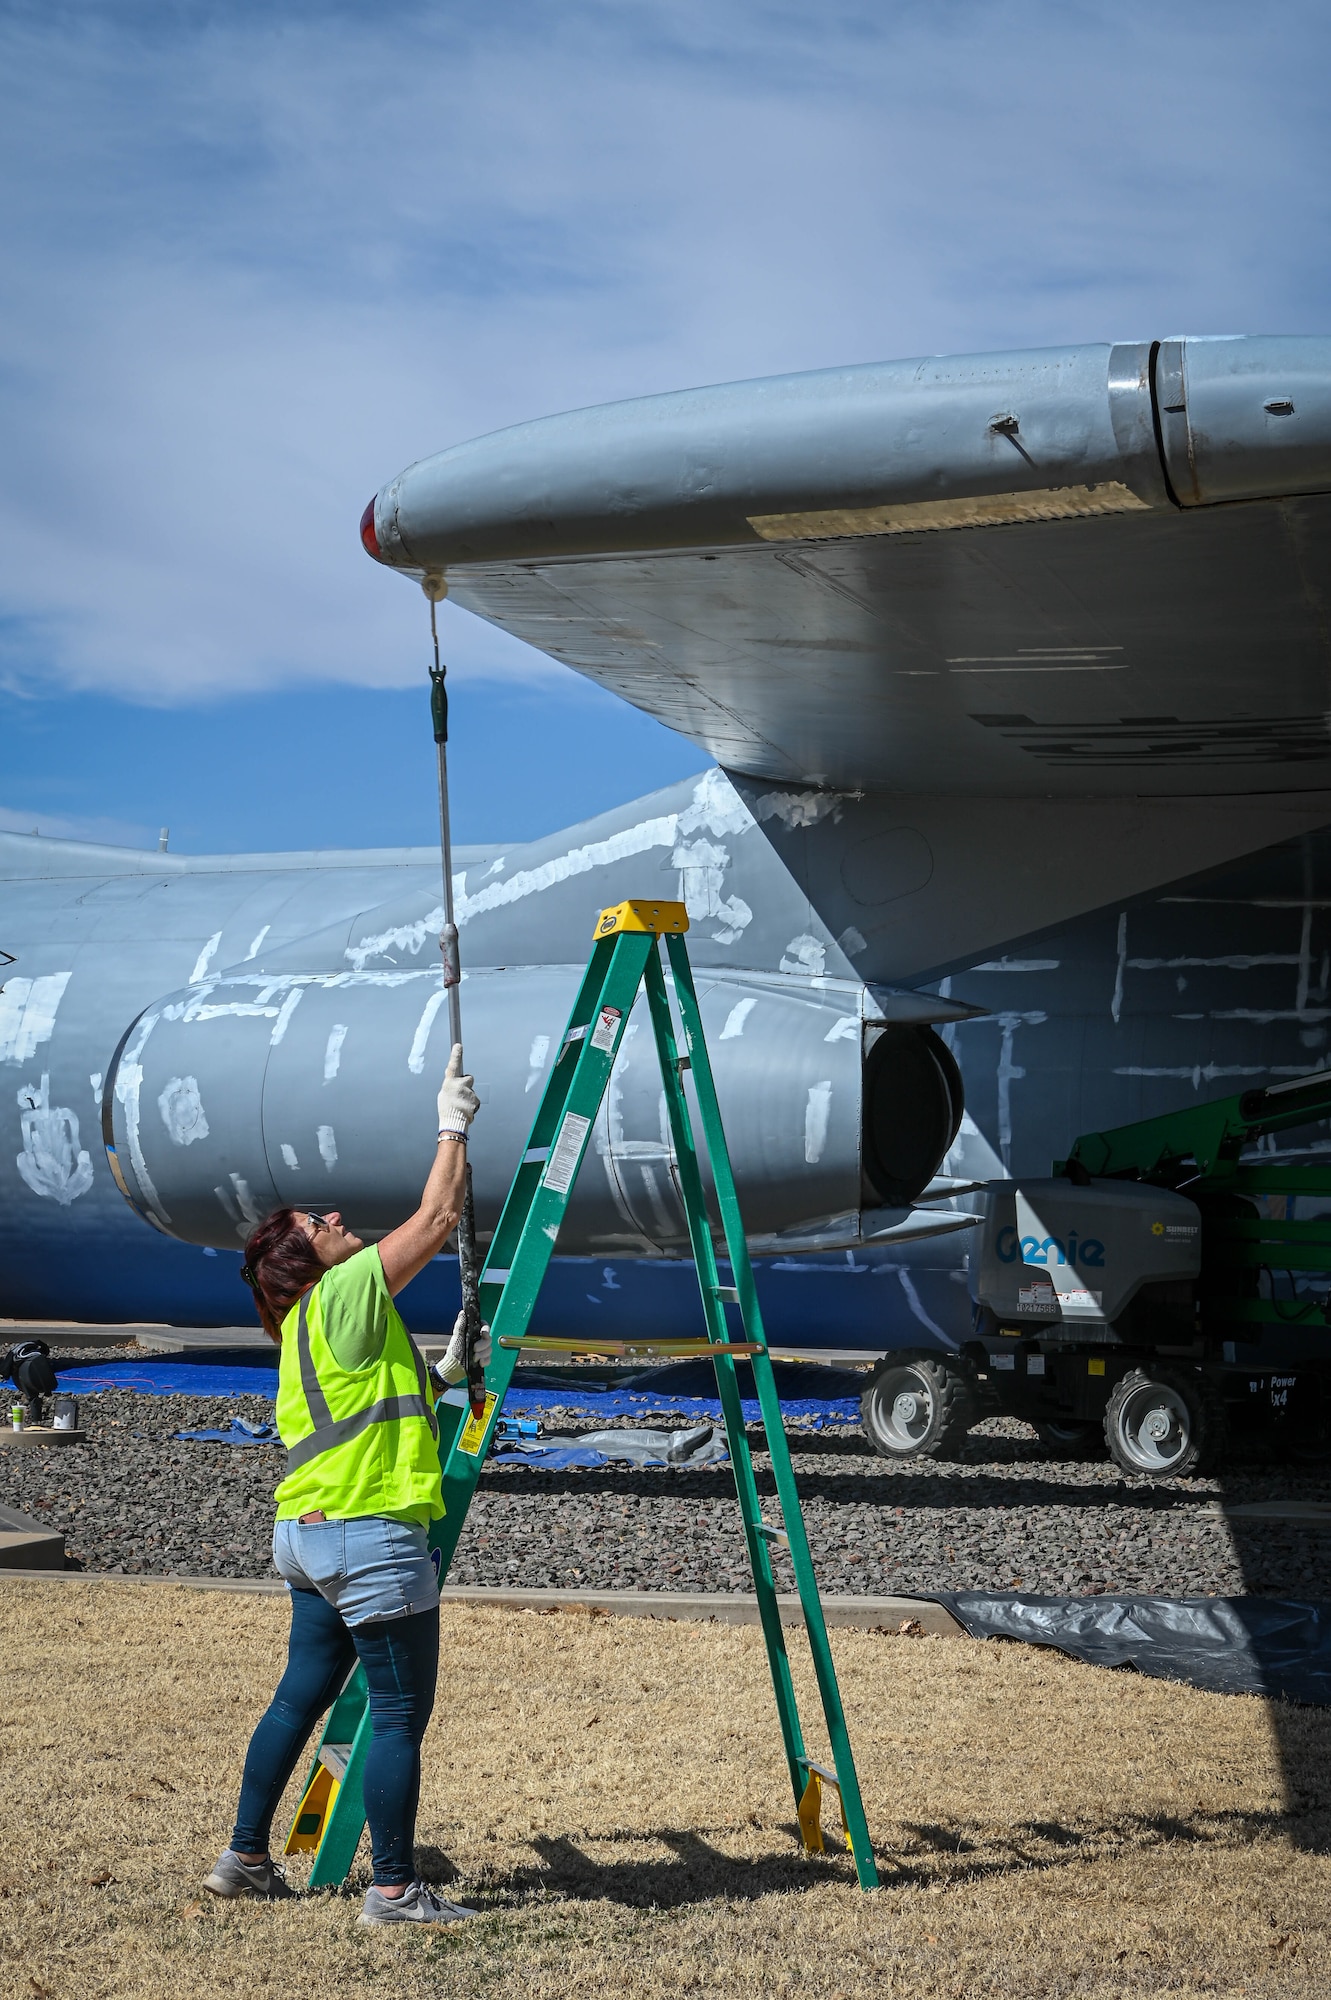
{"points": [[234, 1877], [416, 1905]]}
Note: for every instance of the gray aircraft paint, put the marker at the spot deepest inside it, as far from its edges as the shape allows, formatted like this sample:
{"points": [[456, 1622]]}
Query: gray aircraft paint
{"points": [[1012, 660], [962, 596], [233, 1079], [737, 562], [255, 1039], [1087, 1025], [258, 1098], [1046, 630]]}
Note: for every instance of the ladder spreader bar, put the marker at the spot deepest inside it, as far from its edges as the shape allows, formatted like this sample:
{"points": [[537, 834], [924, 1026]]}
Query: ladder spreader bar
{"points": [[549, 1343]]}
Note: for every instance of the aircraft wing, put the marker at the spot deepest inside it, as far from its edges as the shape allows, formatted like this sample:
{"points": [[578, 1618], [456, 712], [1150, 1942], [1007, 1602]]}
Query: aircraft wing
{"points": [[1094, 570]]}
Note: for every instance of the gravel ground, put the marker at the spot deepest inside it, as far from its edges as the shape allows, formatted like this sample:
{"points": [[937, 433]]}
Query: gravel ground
{"points": [[1005, 1517]]}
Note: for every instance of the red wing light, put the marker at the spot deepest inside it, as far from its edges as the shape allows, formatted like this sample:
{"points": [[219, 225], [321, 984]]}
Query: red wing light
{"points": [[369, 540]]}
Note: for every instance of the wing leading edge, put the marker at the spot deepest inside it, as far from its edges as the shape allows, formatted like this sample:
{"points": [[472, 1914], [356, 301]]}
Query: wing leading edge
{"points": [[1092, 570]]}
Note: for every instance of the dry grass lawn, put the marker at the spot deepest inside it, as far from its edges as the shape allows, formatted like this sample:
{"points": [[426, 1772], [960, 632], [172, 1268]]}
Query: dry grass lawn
{"points": [[609, 1793]]}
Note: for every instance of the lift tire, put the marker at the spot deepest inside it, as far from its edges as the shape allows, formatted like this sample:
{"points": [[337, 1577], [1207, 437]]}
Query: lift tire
{"points": [[1165, 1420], [1072, 1439], [917, 1406]]}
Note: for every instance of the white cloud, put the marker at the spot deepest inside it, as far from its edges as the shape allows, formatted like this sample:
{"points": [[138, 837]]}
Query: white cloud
{"points": [[63, 826], [265, 258]]}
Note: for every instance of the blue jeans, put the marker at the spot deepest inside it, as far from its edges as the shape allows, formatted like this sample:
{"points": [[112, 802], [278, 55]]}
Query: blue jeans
{"points": [[400, 1655]]}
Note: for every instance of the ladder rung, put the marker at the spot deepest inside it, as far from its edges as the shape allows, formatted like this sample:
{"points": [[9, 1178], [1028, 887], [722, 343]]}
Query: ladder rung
{"points": [[335, 1757], [495, 1277], [728, 1294], [534, 1154], [550, 1344], [828, 1777], [771, 1534], [682, 1063], [574, 1035]]}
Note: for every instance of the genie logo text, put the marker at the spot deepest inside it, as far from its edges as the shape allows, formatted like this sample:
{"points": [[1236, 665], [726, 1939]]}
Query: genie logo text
{"points": [[1087, 1251]]}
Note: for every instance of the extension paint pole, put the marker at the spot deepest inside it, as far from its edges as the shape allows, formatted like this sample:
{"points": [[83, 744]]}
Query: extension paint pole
{"points": [[468, 1262]]}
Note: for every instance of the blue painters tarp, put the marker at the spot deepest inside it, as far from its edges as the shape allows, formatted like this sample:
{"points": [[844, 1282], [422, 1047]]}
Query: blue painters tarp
{"points": [[810, 1394], [171, 1375], [237, 1432], [818, 1412], [223, 1373]]}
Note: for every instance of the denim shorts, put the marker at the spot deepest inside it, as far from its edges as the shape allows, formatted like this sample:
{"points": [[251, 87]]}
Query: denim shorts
{"points": [[365, 1568]]}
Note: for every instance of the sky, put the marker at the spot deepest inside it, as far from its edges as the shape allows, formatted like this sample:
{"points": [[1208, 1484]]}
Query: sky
{"points": [[254, 259]]}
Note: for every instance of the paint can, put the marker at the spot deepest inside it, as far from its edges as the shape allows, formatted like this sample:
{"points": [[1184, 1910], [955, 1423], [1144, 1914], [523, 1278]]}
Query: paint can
{"points": [[65, 1413], [16, 1414]]}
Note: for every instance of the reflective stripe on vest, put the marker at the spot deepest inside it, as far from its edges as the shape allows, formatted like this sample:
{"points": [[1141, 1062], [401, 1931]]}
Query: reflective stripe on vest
{"points": [[330, 1431]]}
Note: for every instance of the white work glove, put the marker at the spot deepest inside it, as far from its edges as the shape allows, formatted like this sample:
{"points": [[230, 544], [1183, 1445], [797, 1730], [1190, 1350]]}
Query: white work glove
{"points": [[458, 1102], [453, 1368]]}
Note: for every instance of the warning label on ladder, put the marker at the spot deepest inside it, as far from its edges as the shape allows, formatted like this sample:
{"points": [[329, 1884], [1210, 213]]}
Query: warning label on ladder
{"points": [[565, 1153], [473, 1431], [607, 1027]]}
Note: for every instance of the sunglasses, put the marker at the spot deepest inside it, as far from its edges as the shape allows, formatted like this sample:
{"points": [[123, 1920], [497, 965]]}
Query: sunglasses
{"points": [[317, 1222]]}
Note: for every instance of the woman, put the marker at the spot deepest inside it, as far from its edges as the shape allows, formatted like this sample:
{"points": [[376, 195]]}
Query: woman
{"points": [[356, 1412]]}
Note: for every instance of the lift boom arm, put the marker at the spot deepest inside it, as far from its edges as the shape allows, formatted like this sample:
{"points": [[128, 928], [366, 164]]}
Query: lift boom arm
{"points": [[1202, 1143]]}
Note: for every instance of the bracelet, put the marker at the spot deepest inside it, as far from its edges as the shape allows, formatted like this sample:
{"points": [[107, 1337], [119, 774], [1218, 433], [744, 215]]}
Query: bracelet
{"points": [[461, 1137]]}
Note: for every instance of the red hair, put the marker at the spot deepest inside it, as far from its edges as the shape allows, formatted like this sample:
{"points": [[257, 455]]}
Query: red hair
{"points": [[280, 1264]]}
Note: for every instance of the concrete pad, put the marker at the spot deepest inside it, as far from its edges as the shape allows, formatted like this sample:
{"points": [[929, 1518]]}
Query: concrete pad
{"points": [[726, 1608], [27, 1545], [159, 1339], [179, 1339], [63, 1335], [36, 1437], [1314, 1511]]}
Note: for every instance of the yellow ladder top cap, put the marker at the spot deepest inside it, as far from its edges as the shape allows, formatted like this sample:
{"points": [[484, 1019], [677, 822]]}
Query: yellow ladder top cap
{"points": [[641, 915]]}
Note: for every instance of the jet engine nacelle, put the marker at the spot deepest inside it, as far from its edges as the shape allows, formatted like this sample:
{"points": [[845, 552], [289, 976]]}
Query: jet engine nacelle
{"points": [[250, 1090]]}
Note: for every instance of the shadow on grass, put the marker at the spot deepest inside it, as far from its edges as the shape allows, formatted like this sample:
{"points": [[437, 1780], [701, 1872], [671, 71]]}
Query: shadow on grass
{"points": [[696, 1872], [695, 1869]]}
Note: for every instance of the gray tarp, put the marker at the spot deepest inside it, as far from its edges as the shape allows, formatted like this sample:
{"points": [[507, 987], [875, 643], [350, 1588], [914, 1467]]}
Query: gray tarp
{"points": [[683, 1449], [1230, 1645]]}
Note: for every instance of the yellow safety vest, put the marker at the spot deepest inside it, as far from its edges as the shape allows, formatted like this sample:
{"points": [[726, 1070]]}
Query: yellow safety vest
{"points": [[359, 1441]]}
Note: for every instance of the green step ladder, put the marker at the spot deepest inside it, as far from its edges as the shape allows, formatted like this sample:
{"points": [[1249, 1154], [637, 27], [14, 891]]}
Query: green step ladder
{"points": [[625, 956]]}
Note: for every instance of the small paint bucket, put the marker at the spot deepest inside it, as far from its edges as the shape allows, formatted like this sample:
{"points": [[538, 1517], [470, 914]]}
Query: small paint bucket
{"points": [[65, 1413]]}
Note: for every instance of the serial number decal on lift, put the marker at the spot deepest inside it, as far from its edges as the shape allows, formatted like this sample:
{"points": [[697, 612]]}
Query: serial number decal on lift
{"points": [[1044, 1298], [607, 1027], [565, 1153]]}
